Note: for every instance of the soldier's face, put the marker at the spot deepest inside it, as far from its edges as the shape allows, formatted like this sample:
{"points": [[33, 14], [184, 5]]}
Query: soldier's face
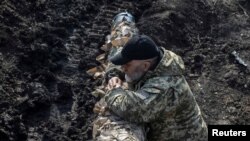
{"points": [[134, 70]]}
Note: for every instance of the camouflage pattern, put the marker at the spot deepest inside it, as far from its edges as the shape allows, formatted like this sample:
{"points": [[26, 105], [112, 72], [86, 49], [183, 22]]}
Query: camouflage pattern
{"points": [[124, 29], [163, 101], [120, 34], [109, 127], [113, 128], [113, 44]]}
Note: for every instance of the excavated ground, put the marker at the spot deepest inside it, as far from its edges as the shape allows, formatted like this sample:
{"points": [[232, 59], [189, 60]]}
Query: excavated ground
{"points": [[46, 47]]}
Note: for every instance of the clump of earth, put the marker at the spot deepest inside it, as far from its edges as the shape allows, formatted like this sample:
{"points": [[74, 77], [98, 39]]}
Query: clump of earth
{"points": [[47, 46]]}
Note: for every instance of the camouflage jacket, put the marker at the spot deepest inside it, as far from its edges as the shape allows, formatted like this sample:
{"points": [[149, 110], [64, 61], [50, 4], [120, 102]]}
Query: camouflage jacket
{"points": [[162, 100]]}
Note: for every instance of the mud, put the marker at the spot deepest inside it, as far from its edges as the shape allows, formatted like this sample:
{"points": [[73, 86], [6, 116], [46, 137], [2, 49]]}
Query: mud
{"points": [[46, 47]]}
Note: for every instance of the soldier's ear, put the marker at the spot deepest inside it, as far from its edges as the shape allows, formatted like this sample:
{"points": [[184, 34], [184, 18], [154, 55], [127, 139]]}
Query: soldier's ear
{"points": [[146, 65]]}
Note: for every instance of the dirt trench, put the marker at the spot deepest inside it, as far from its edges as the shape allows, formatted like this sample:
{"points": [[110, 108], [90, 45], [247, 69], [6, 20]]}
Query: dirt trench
{"points": [[46, 47]]}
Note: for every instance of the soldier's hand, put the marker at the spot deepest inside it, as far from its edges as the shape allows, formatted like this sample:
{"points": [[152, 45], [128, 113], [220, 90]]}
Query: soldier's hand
{"points": [[100, 107], [114, 82]]}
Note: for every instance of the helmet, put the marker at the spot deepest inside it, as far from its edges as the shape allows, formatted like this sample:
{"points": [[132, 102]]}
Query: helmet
{"points": [[124, 16]]}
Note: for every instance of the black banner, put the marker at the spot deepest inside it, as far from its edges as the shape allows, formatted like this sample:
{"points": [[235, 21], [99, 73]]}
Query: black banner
{"points": [[235, 132]]}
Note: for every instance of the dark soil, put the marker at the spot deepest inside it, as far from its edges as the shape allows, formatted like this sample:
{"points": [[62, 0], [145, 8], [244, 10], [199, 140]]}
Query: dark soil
{"points": [[46, 46]]}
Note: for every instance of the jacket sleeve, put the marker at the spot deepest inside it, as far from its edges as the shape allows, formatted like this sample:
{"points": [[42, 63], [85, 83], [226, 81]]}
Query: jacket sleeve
{"points": [[144, 105]]}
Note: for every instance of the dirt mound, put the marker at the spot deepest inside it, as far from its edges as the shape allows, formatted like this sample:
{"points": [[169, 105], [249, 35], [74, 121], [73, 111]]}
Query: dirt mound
{"points": [[46, 47], [212, 37]]}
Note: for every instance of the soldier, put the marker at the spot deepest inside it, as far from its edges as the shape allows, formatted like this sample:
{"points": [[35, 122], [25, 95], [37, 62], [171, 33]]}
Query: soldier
{"points": [[156, 96], [108, 126]]}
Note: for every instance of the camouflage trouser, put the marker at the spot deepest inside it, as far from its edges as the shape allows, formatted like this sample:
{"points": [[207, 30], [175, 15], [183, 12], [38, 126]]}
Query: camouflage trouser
{"points": [[111, 128]]}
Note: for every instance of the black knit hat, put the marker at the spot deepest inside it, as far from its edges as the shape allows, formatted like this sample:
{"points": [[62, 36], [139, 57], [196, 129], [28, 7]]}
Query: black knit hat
{"points": [[139, 47]]}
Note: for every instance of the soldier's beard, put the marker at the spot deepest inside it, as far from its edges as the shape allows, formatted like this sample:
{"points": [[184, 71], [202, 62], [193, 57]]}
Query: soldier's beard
{"points": [[134, 77]]}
